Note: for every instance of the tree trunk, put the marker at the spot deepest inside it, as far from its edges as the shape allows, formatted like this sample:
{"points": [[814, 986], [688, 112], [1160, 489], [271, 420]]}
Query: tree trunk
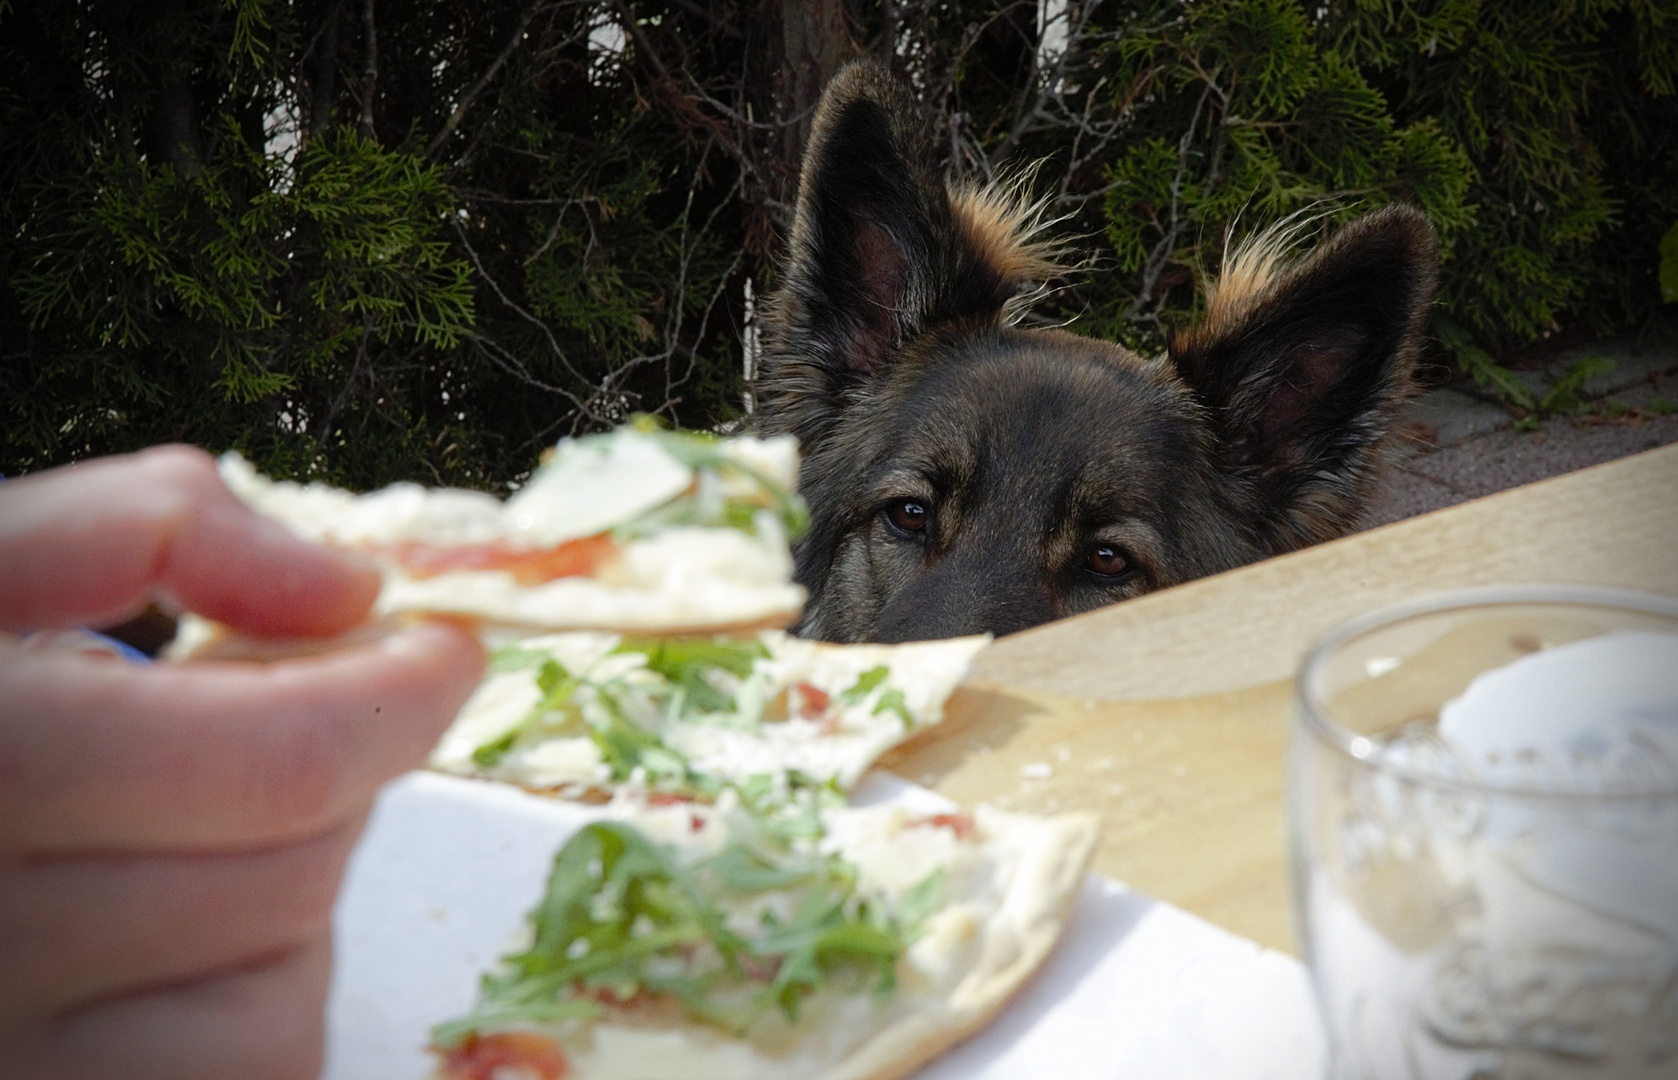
{"points": [[814, 41], [323, 84]]}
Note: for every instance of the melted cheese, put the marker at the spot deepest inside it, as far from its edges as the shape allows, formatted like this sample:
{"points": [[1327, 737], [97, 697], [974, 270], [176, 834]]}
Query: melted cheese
{"points": [[679, 579], [839, 746]]}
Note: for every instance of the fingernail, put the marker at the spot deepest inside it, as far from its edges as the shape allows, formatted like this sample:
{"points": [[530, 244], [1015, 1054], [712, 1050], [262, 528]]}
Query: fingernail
{"points": [[358, 561], [424, 636]]}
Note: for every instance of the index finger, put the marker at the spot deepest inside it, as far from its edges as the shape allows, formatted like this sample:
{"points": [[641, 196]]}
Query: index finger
{"points": [[92, 543]]}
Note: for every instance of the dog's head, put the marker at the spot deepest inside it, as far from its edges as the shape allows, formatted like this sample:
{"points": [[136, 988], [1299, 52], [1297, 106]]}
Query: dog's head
{"points": [[966, 475]]}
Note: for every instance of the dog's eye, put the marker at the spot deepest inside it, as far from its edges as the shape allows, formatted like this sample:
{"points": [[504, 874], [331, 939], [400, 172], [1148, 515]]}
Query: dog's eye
{"points": [[1107, 561], [908, 516]]}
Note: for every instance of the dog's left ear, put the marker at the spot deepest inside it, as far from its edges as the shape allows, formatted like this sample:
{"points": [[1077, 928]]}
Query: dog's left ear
{"points": [[1301, 369], [881, 250]]}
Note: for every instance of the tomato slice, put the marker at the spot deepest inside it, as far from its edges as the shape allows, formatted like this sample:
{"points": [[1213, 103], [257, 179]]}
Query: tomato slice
{"points": [[480, 1057], [574, 558], [960, 824], [803, 700], [811, 701]]}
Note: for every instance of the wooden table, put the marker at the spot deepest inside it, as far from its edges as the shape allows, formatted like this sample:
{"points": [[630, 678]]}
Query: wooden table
{"points": [[1169, 714]]}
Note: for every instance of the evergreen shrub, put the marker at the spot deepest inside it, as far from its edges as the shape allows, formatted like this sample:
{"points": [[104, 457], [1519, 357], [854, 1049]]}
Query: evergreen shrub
{"points": [[370, 240]]}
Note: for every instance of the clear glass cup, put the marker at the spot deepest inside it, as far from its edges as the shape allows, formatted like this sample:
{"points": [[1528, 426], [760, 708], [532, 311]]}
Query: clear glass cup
{"points": [[1494, 894]]}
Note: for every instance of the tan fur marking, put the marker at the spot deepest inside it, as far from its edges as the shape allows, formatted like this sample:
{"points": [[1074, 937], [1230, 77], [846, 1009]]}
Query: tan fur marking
{"points": [[1004, 229], [1247, 272], [1249, 269]]}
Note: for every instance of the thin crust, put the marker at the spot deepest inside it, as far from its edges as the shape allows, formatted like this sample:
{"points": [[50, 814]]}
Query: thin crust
{"points": [[701, 603], [1061, 859], [198, 638]]}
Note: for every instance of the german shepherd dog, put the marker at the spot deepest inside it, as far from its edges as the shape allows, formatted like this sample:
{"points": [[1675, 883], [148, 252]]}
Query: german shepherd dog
{"points": [[965, 474]]}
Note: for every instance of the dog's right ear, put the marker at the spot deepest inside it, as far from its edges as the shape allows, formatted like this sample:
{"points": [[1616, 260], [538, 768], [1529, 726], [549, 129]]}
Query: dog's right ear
{"points": [[879, 253], [863, 235]]}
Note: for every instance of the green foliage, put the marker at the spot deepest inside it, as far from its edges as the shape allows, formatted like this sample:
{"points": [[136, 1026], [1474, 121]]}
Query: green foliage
{"points": [[1240, 116], [1564, 397], [157, 269], [1542, 140], [1669, 265], [234, 223], [1568, 114], [229, 222], [1482, 367]]}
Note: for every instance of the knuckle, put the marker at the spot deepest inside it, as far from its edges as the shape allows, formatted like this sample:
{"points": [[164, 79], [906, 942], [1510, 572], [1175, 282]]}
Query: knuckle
{"points": [[303, 775], [180, 466]]}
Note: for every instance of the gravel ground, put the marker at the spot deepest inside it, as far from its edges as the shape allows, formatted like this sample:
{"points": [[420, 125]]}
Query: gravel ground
{"points": [[1420, 478]]}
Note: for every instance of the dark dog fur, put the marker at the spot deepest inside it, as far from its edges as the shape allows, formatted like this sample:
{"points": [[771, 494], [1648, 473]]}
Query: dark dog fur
{"points": [[966, 475]]}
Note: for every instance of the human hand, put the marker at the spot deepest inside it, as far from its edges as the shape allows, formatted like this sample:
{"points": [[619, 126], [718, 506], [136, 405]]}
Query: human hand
{"points": [[172, 836]]}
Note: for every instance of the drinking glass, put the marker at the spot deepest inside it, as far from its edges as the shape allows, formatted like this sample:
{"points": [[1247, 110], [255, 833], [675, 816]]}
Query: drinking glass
{"points": [[1486, 880]]}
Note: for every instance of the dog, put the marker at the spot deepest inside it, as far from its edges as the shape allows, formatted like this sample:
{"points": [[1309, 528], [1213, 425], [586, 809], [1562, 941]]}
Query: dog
{"points": [[966, 475]]}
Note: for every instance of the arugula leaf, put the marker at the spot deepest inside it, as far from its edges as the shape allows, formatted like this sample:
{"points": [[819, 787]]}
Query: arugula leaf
{"points": [[619, 893], [789, 804], [685, 662], [865, 684], [743, 868], [625, 745], [513, 657], [489, 755], [824, 937], [557, 685], [755, 789], [613, 900], [892, 700], [685, 667], [919, 903], [625, 717], [555, 682], [701, 452]]}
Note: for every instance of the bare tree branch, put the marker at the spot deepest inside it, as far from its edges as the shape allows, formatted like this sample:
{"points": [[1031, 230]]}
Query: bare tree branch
{"points": [[547, 332], [370, 73], [1162, 252], [466, 102]]}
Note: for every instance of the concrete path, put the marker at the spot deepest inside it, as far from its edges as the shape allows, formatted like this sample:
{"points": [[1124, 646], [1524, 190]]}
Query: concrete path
{"points": [[1453, 445]]}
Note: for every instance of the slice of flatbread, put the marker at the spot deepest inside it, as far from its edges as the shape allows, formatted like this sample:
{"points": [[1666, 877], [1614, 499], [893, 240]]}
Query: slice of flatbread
{"points": [[636, 530], [700, 942], [587, 712]]}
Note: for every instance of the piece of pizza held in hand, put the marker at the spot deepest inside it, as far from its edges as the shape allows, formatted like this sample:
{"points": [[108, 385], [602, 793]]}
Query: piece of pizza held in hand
{"points": [[802, 941], [637, 530], [582, 714], [653, 532]]}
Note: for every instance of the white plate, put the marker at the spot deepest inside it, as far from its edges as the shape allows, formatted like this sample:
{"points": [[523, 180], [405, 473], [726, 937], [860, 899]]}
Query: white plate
{"points": [[439, 885]]}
